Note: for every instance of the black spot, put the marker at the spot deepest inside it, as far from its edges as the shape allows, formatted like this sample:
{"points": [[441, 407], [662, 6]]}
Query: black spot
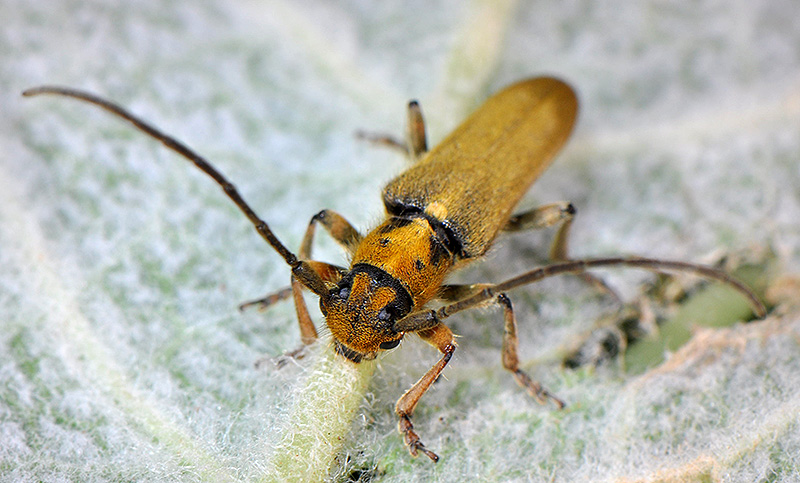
{"points": [[419, 264], [438, 251], [397, 207], [444, 233], [383, 242]]}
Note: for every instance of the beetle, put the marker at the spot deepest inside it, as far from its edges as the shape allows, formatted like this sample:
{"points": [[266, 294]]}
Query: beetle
{"points": [[444, 212]]}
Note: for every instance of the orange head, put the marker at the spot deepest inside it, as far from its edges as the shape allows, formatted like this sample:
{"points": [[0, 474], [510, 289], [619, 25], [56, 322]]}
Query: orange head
{"points": [[361, 311]]}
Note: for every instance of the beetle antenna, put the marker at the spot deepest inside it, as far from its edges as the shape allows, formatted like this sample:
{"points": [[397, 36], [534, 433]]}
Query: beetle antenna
{"points": [[301, 269], [651, 264], [423, 320]]}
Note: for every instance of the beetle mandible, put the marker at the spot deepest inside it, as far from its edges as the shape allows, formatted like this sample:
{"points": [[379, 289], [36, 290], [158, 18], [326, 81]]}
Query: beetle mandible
{"points": [[443, 212]]}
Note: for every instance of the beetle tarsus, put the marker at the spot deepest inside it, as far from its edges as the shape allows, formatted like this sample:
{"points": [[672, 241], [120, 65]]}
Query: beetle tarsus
{"points": [[536, 390], [267, 301], [279, 362], [412, 441]]}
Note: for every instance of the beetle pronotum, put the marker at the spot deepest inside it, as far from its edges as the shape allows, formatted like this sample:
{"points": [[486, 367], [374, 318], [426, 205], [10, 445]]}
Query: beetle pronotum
{"points": [[443, 212]]}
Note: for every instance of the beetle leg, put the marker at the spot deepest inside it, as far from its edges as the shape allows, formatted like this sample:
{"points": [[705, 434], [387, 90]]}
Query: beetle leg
{"points": [[415, 144], [348, 237], [454, 292], [442, 338], [541, 217], [549, 215], [342, 232], [269, 299], [415, 131], [328, 273], [511, 359], [308, 333], [384, 140], [337, 227]]}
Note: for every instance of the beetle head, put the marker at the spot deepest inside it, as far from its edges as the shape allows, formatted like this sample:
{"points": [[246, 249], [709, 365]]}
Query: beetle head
{"points": [[361, 311]]}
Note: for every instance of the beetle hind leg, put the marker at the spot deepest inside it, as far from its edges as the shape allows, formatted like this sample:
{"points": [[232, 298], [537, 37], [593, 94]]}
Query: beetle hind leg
{"points": [[511, 359], [415, 144], [562, 214]]}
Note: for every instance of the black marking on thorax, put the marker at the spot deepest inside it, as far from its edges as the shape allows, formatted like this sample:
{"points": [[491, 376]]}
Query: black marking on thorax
{"points": [[402, 302], [403, 214]]}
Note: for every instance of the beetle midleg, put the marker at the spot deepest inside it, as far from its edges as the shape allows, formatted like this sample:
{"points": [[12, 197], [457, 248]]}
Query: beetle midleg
{"points": [[511, 359], [269, 299], [549, 215], [454, 293], [541, 217], [338, 228], [415, 144], [442, 338]]}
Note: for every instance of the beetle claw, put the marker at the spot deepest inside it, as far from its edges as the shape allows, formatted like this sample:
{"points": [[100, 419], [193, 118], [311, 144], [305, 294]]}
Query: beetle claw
{"points": [[412, 441], [279, 362], [536, 390]]}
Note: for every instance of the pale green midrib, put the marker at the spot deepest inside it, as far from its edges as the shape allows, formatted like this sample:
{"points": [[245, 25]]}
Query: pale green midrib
{"points": [[320, 420]]}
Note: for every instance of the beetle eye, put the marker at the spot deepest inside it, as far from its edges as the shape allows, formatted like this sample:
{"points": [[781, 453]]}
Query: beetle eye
{"points": [[389, 344]]}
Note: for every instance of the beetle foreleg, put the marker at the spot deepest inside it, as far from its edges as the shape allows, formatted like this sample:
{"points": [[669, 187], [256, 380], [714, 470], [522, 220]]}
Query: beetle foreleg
{"points": [[327, 273], [346, 235], [337, 227], [442, 338]]}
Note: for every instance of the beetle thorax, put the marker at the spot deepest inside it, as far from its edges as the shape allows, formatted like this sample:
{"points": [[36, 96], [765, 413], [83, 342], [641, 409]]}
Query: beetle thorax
{"points": [[397, 269], [409, 250]]}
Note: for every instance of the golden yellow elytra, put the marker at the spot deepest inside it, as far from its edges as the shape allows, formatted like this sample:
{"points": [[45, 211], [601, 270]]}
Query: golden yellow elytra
{"points": [[446, 210]]}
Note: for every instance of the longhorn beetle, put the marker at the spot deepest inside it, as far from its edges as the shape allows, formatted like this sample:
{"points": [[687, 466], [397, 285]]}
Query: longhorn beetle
{"points": [[442, 213]]}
